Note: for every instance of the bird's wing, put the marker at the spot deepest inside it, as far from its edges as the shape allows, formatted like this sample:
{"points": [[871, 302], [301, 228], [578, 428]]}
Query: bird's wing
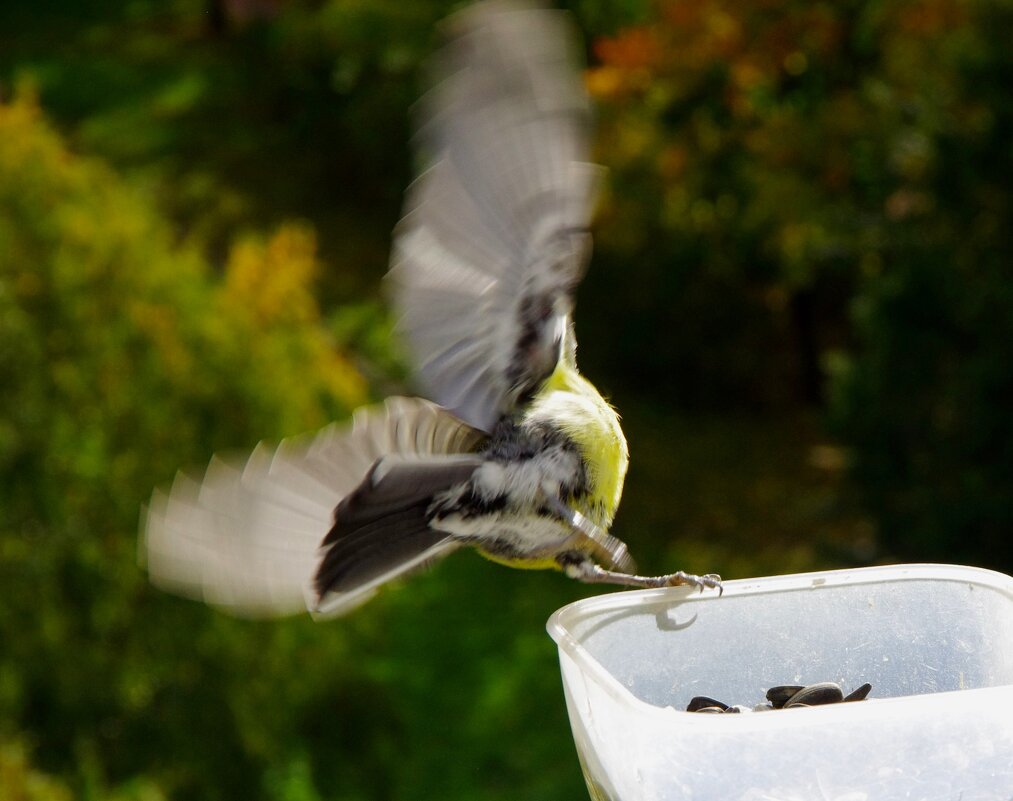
{"points": [[247, 535], [494, 239], [381, 530]]}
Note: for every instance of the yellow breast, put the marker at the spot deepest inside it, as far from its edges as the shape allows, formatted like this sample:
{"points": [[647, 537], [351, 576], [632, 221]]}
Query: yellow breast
{"points": [[571, 402]]}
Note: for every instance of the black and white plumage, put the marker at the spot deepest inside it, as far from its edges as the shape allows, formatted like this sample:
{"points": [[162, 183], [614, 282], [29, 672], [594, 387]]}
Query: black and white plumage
{"points": [[519, 456]]}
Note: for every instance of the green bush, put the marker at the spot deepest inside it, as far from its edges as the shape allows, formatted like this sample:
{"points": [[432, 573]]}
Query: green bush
{"points": [[124, 358]]}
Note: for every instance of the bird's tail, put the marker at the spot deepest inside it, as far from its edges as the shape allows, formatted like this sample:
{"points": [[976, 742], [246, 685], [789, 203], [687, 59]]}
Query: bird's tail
{"points": [[247, 536]]}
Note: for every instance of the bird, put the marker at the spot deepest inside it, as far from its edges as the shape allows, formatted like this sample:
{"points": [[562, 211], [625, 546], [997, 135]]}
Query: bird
{"points": [[509, 449]]}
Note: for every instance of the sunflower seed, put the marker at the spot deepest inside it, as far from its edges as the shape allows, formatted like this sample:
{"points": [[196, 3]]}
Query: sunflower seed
{"points": [[785, 696], [778, 696], [824, 692], [859, 694], [702, 702]]}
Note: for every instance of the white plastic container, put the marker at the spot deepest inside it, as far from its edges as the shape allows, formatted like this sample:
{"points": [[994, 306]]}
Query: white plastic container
{"points": [[935, 642]]}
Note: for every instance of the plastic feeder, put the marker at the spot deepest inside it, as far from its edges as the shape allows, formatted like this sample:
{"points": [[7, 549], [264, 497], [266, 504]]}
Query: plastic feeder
{"points": [[935, 642]]}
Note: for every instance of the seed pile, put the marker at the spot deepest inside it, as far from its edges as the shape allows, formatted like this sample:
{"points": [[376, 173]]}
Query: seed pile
{"points": [[785, 696]]}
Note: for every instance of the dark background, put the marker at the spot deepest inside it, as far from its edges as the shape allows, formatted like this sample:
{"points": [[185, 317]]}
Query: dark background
{"points": [[801, 302]]}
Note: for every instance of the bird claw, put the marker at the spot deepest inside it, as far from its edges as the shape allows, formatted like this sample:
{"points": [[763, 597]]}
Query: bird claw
{"points": [[710, 581]]}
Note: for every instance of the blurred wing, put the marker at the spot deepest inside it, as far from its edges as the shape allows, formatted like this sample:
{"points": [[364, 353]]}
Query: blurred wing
{"points": [[495, 234], [247, 536]]}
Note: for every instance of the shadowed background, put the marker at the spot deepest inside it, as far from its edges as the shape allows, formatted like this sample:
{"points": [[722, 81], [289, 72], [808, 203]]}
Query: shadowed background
{"points": [[801, 301]]}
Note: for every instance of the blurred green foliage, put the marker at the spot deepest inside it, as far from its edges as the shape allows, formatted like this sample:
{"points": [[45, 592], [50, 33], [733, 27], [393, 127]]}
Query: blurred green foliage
{"points": [[804, 236]]}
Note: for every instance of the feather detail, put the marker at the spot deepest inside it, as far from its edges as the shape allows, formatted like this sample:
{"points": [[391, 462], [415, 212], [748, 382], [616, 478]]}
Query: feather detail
{"points": [[246, 536]]}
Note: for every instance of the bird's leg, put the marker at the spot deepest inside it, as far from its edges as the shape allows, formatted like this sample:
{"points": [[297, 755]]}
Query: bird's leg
{"points": [[613, 551], [591, 573]]}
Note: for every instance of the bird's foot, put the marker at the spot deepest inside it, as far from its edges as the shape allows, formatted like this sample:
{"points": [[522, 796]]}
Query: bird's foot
{"points": [[709, 581], [590, 573]]}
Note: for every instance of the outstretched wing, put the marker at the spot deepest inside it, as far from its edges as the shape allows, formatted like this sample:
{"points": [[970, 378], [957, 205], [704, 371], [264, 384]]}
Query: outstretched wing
{"points": [[247, 535], [495, 234]]}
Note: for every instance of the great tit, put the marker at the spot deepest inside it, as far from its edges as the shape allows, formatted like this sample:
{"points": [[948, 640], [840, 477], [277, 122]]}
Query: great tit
{"points": [[515, 453]]}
